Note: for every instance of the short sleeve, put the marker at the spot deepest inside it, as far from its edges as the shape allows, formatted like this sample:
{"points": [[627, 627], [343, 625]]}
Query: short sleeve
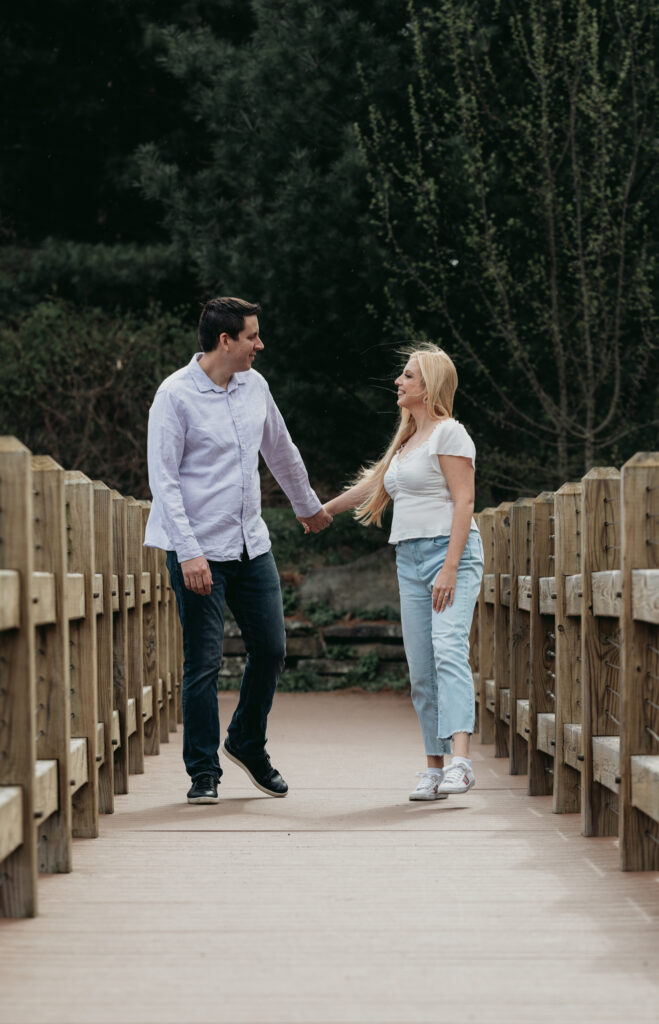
{"points": [[451, 438]]}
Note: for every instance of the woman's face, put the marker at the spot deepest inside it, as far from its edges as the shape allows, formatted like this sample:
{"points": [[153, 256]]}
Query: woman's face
{"points": [[411, 389]]}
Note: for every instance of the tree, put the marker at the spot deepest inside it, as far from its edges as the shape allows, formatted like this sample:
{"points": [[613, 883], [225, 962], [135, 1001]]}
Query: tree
{"points": [[527, 167], [275, 207]]}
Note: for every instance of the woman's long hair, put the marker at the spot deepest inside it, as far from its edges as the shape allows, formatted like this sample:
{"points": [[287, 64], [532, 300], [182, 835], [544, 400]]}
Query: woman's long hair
{"points": [[441, 380]]}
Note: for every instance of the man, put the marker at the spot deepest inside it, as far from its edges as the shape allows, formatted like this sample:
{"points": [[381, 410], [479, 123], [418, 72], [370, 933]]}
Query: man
{"points": [[207, 424]]}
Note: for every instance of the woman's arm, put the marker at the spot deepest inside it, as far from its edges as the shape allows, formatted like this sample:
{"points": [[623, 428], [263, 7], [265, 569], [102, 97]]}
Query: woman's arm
{"points": [[459, 475], [350, 498]]}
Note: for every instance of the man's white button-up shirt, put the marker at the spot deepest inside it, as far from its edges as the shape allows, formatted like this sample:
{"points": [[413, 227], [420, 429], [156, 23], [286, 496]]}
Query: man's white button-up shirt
{"points": [[203, 451]]}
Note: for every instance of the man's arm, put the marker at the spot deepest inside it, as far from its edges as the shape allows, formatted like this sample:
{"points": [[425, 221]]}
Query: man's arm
{"points": [[285, 463], [166, 440]]}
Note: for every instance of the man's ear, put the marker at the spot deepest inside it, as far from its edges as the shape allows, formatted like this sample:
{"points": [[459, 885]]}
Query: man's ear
{"points": [[223, 342]]}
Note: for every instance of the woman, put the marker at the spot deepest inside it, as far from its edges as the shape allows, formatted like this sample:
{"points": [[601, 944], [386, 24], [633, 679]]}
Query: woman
{"points": [[428, 472]]}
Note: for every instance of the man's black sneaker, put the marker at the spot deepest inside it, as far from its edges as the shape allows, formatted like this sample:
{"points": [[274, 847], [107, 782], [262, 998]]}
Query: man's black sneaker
{"points": [[203, 790], [260, 771]]}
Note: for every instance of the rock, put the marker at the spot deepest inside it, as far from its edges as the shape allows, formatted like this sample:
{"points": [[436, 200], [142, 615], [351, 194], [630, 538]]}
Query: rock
{"points": [[369, 584]]}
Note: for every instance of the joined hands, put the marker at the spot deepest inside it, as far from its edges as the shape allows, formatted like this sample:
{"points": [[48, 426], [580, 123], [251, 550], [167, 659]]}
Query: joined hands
{"points": [[314, 524]]}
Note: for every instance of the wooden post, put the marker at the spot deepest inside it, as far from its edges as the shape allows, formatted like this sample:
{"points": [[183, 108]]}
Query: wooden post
{"points": [[520, 629], [568, 688], [151, 646], [600, 644], [120, 640], [135, 635], [18, 871], [104, 631], [541, 696], [52, 660], [84, 699], [501, 628], [473, 662], [486, 627], [639, 834], [162, 645]]}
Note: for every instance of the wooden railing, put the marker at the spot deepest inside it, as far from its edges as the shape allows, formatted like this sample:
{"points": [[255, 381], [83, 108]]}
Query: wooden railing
{"points": [[90, 662], [565, 650]]}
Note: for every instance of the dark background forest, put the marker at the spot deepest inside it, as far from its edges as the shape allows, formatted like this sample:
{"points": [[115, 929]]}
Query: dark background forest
{"points": [[373, 172]]}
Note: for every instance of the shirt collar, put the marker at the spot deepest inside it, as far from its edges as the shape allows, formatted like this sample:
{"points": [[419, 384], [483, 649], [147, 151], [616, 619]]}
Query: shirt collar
{"points": [[204, 383]]}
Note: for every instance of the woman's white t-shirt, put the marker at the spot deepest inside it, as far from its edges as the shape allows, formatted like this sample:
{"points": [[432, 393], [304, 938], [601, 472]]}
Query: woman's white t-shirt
{"points": [[423, 506]]}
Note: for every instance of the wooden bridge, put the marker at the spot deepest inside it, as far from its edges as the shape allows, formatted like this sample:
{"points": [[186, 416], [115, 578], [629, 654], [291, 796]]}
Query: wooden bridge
{"points": [[344, 902]]}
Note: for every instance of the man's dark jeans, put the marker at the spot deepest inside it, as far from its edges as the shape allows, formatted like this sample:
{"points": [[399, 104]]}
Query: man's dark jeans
{"points": [[251, 590]]}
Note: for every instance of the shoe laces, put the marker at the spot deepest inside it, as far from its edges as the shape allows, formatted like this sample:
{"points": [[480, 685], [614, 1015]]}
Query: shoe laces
{"points": [[205, 781], [428, 778], [454, 772]]}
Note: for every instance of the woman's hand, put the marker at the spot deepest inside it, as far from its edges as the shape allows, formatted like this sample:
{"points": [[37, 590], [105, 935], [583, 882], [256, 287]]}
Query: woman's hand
{"points": [[443, 590]]}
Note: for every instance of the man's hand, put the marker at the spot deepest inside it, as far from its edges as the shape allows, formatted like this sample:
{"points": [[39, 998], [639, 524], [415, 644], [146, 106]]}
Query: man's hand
{"points": [[314, 524], [197, 575]]}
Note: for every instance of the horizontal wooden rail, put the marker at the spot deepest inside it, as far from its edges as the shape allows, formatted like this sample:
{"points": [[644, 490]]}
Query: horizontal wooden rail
{"points": [[81, 703], [566, 668]]}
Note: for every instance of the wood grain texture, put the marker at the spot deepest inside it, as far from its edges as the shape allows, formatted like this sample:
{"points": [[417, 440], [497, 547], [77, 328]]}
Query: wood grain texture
{"points": [[568, 684], [555, 930], [541, 696], [520, 629], [486, 625], [134, 542], [600, 642], [53, 677], [120, 639], [18, 893], [79, 502], [639, 834], [11, 820], [501, 625], [645, 784], [103, 586], [150, 640]]}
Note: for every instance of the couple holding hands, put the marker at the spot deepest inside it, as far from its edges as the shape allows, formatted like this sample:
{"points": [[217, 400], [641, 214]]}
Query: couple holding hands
{"points": [[208, 422]]}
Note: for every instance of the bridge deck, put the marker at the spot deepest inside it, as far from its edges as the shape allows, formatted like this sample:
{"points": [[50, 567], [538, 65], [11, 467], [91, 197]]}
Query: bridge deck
{"points": [[342, 903]]}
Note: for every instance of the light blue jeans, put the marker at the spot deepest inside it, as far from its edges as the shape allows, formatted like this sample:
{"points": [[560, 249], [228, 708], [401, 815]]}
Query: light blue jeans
{"points": [[437, 643]]}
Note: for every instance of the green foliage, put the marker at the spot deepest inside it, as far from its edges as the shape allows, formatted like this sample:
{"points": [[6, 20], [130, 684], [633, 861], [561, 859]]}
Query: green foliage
{"points": [[290, 599], [321, 614], [518, 200], [340, 652], [77, 385], [343, 542]]}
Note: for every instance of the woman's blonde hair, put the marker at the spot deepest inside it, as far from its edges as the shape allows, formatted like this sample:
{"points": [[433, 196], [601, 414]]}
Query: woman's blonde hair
{"points": [[441, 380]]}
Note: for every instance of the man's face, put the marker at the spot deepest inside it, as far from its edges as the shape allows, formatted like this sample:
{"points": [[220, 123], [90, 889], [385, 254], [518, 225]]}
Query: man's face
{"points": [[243, 349]]}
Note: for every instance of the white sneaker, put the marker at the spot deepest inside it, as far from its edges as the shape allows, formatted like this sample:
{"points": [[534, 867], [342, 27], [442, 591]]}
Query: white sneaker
{"points": [[457, 779], [428, 788]]}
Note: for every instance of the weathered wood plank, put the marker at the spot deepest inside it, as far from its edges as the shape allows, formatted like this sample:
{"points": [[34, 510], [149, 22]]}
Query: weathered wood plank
{"points": [[53, 663], [504, 589], [103, 585], [489, 584], [134, 552], [43, 598], [546, 733], [486, 625], [120, 640], [572, 745], [607, 593], [639, 835], [568, 688], [75, 596], [153, 720], [79, 494], [79, 763], [573, 594], [131, 717], [11, 820], [645, 784], [547, 595], [504, 704], [600, 642], [18, 894], [489, 695], [501, 626], [606, 762], [10, 599], [645, 595], [46, 791], [523, 718], [542, 643], [524, 593]]}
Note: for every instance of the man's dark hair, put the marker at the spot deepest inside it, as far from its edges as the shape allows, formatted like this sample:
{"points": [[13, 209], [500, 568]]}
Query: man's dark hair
{"points": [[223, 316]]}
